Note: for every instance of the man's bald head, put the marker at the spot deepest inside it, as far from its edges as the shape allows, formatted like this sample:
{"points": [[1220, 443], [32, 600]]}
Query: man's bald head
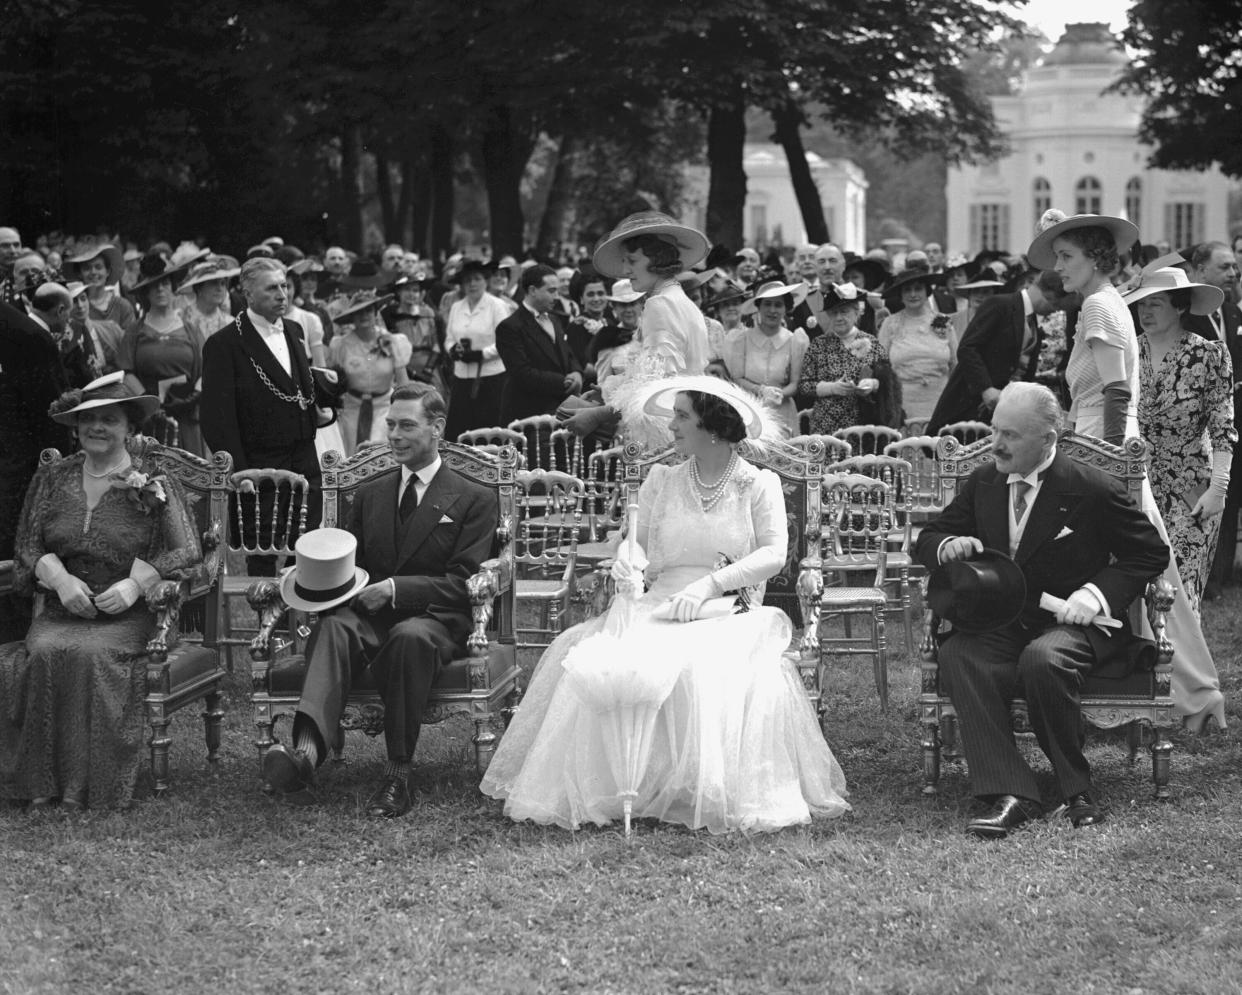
{"points": [[53, 303]]}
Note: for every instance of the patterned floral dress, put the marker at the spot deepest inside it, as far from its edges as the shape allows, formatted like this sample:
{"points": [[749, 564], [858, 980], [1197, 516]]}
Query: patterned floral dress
{"points": [[71, 715], [831, 358], [1185, 413]]}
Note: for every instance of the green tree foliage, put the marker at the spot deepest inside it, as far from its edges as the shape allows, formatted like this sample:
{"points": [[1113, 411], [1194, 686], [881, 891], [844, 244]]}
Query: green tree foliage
{"points": [[1187, 67]]}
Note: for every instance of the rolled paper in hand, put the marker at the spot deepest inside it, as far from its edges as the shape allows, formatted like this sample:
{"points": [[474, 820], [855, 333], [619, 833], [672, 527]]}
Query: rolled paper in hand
{"points": [[1051, 603]]}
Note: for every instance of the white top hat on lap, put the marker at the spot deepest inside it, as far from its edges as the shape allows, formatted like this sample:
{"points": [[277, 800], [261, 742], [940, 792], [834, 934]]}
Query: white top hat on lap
{"points": [[324, 574]]}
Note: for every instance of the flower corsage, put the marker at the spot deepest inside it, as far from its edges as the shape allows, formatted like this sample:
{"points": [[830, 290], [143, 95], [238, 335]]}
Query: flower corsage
{"points": [[144, 490], [940, 325]]}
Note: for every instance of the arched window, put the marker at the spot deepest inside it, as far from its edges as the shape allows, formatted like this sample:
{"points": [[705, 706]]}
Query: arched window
{"points": [[1134, 200], [1042, 190], [1088, 196]]}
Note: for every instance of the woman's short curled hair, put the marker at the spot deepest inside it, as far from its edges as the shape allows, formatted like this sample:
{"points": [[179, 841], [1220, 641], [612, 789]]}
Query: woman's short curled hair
{"points": [[663, 259], [1098, 245], [716, 415]]}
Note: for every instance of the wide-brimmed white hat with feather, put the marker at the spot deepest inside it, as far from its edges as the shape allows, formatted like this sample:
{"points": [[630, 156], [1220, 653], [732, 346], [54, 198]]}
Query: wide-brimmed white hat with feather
{"points": [[1053, 224]]}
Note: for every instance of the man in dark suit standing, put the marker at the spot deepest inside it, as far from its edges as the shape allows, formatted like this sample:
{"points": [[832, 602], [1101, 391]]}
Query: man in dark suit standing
{"points": [[31, 378], [1075, 534], [1214, 263], [260, 403], [1000, 344], [421, 534], [542, 369]]}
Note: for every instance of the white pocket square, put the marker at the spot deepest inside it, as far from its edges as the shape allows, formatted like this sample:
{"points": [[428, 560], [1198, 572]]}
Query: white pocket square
{"points": [[1067, 531], [445, 520]]}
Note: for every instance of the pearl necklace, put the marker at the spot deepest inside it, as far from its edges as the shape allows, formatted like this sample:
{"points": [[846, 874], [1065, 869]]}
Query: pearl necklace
{"points": [[710, 496], [107, 473]]}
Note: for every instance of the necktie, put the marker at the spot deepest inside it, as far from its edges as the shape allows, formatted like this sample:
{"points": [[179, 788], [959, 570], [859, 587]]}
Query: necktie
{"points": [[1020, 489], [409, 501]]}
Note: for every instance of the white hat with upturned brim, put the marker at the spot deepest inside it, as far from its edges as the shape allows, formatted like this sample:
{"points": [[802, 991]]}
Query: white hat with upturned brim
{"points": [[324, 574], [1204, 298], [1040, 255], [107, 390], [661, 395], [796, 292], [691, 244]]}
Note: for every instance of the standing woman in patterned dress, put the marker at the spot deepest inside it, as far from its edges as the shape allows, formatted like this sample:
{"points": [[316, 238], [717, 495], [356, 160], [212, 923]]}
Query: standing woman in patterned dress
{"points": [[1185, 413]]}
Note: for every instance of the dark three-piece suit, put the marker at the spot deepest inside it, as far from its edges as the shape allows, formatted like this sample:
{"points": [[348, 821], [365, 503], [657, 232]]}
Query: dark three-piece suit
{"points": [[989, 355], [1081, 529], [429, 557]]}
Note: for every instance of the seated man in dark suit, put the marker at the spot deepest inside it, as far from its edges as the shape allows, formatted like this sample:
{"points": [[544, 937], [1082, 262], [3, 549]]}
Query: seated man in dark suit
{"points": [[542, 369], [1000, 344], [421, 534], [1075, 534]]}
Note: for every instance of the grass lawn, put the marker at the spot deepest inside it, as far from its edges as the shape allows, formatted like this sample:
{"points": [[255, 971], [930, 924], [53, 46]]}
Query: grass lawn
{"points": [[217, 888]]}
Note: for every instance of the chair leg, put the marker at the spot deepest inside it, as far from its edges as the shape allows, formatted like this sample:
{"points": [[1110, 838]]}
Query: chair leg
{"points": [[949, 748], [484, 743], [931, 757], [907, 611], [1161, 764], [1134, 739], [159, 744], [213, 723], [266, 725], [880, 646]]}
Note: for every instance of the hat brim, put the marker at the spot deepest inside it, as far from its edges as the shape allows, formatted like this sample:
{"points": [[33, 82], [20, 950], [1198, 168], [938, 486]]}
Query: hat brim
{"points": [[173, 275], [379, 302], [1204, 298], [113, 258], [797, 291], [940, 595], [194, 281], [872, 270], [293, 600], [662, 394], [1040, 255], [691, 244], [914, 276], [147, 403], [633, 298]]}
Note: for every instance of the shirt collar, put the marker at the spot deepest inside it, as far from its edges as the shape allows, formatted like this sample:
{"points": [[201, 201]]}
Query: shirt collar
{"points": [[425, 475], [1035, 476], [34, 316], [263, 326], [538, 314], [1028, 308]]}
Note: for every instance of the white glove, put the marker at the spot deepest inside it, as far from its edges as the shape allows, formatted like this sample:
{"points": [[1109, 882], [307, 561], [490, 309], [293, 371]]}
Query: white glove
{"points": [[687, 602], [627, 571], [119, 597], [771, 396], [868, 385], [72, 591], [1081, 608]]}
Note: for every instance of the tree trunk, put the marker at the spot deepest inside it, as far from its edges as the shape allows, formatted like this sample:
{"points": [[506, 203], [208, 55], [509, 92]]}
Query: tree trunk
{"points": [[402, 232], [388, 210], [788, 120], [440, 148], [350, 224], [726, 192], [558, 213], [503, 165]]}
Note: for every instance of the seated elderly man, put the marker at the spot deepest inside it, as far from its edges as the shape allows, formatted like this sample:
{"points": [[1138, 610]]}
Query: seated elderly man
{"points": [[1074, 534]]}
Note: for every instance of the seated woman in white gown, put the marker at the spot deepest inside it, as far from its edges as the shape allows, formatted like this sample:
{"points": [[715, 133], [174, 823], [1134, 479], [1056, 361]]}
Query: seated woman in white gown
{"points": [[719, 729]]}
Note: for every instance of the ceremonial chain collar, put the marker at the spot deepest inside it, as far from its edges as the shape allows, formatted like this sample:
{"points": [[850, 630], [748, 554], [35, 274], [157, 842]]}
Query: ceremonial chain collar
{"points": [[300, 399]]}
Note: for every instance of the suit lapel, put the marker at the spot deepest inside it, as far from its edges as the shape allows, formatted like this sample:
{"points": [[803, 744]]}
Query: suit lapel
{"points": [[382, 524], [549, 348], [440, 496], [994, 513], [253, 345], [1052, 506]]}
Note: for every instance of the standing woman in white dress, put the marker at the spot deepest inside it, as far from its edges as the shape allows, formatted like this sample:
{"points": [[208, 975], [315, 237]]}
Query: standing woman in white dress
{"points": [[1103, 379], [734, 741], [767, 360]]}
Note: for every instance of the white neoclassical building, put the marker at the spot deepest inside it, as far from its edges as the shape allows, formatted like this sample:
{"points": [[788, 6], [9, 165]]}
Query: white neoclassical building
{"points": [[1075, 148]]}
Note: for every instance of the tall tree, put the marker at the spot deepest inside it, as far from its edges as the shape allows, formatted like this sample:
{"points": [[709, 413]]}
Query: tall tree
{"points": [[1186, 65]]}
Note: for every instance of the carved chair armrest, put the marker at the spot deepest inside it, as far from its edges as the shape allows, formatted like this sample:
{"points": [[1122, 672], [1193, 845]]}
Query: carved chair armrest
{"points": [[165, 599], [598, 589], [495, 577], [213, 549], [264, 598], [1158, 600]]}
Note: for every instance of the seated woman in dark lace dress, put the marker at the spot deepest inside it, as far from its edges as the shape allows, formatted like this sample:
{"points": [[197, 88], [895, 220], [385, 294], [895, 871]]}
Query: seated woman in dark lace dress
{"points": [[97, 531]]}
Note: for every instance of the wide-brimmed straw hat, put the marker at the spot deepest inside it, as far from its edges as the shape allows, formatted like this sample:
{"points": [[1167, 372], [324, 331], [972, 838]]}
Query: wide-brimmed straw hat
{"points": [[730, 293], [112, 257], [75, 287], [659, 396], [206, 272], [104, 392], [153, 268], [775, 288], [1053, 225], [308, 265], [1204, 298], [692, 245], [623, 292], [323, 574], [343, 307], [982, 594], [916, 275]]}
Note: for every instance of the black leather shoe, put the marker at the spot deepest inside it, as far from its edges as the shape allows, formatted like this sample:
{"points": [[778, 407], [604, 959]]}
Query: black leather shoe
{"points": [[1082, 810], [1007, 814], [1211, 591], [286, 770], [392, 800]]}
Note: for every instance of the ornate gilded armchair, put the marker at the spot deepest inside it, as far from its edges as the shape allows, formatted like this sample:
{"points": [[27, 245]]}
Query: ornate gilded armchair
{"points": [[183, 655], [1139, 702], [484, 683]]}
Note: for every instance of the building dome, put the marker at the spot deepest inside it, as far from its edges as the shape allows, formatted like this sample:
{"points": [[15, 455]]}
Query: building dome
{"points": [[1086, 44]]}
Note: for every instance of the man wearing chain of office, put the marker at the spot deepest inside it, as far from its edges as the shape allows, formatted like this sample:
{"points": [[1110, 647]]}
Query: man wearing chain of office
{"points": [[260, 401]]}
